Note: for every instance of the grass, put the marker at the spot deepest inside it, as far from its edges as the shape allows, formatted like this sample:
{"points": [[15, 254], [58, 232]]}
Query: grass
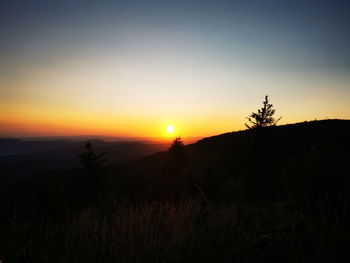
{"points": [[181, 231]]}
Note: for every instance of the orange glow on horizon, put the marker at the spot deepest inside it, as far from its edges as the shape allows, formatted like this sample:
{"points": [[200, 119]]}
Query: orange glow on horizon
{"points": [[35, 120], [32, 123]]}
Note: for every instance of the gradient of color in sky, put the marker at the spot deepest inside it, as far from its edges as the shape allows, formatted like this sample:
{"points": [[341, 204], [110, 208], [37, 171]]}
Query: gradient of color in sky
{"points": [[129, 68]]}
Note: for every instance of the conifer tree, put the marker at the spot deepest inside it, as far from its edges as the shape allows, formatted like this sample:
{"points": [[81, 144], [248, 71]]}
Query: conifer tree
{"points": [[264, 116], [89, 159], [177, 151]]}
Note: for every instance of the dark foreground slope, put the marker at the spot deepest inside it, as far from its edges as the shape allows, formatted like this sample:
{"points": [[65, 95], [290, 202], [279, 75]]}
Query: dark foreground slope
{"points": [[279, 194]]}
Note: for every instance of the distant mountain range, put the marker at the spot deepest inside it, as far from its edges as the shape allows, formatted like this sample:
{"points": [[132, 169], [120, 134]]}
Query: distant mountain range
{"points": [[20, 158]]}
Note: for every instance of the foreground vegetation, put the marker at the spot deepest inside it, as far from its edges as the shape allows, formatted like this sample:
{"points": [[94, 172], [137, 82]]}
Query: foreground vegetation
{"points": [[182, 231]]}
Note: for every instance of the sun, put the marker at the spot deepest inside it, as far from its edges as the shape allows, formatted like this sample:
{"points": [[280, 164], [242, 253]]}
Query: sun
{"points": [[170, 129]]}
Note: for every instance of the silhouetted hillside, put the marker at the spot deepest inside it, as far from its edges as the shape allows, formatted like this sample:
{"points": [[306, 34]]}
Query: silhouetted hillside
{"points": [[310, 157]]}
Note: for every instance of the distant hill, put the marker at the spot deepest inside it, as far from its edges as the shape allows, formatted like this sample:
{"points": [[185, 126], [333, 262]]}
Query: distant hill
{"points": [[23, 158]]}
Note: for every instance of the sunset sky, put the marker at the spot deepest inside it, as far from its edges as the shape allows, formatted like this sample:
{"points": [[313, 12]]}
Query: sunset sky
{"points": [[130, 68]]}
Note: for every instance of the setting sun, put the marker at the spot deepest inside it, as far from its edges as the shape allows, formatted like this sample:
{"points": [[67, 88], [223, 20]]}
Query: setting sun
{"points": [[170, 129]]}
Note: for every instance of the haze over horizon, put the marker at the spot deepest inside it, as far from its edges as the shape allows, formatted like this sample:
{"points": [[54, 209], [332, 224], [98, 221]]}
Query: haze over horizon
{"points": [[131, 68]]}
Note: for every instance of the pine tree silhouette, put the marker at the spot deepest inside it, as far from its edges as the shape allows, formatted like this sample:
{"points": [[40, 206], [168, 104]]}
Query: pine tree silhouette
{"points": [[264, 116], [90, 187], [89, 159], [177, 151]]}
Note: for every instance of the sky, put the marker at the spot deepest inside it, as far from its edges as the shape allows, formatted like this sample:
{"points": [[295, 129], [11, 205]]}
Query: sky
{"points": [[130, 68]]}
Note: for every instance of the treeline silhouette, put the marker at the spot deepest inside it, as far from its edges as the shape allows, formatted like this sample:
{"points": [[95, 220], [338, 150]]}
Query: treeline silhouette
{"points": [[266, 194]]}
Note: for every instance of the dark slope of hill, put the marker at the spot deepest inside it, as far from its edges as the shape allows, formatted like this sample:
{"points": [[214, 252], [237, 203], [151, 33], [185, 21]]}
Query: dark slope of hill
{"points": [[307, 157], [271, 155]]}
